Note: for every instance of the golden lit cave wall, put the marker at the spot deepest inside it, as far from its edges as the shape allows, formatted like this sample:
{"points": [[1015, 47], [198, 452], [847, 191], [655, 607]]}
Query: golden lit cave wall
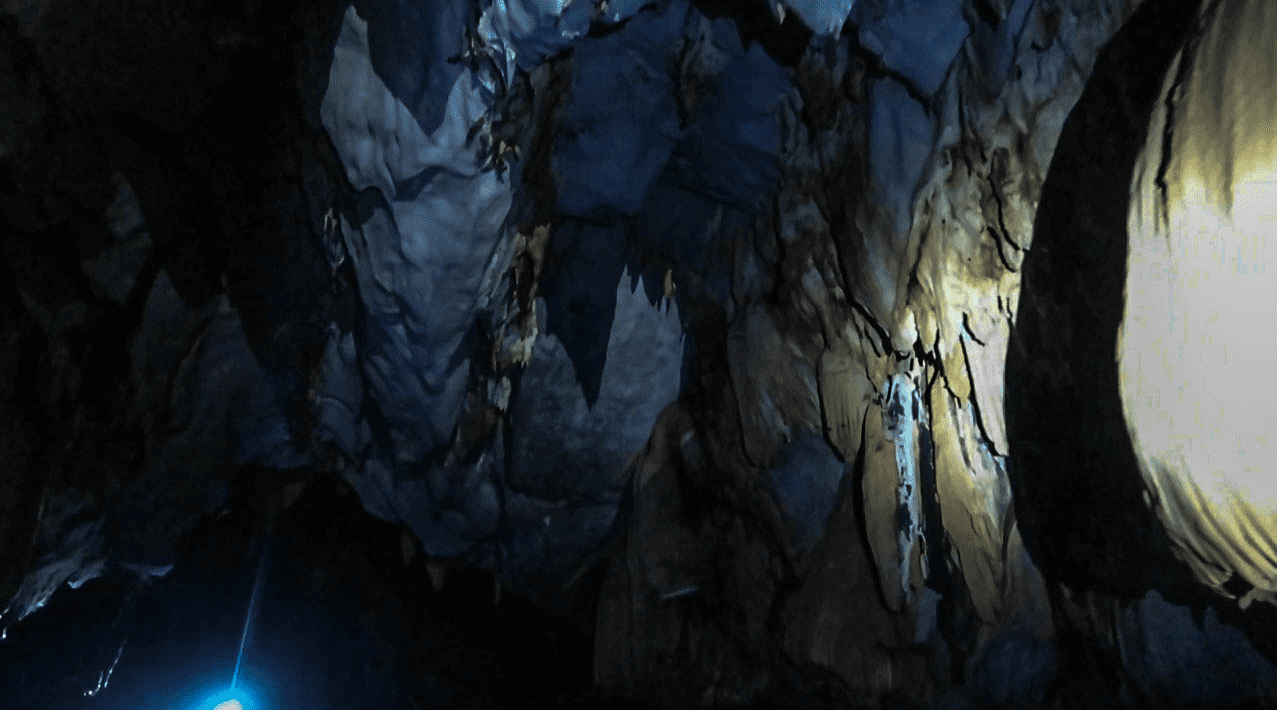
{"points": [[1200, 325], [956, 284], [855, 364]]}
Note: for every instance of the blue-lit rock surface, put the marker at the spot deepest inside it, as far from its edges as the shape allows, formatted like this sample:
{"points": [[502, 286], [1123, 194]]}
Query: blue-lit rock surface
{"points": [[619, 122], [824, 18]]}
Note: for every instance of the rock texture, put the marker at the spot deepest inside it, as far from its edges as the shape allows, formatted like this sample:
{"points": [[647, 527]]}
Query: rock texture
{"points": [[775, 342], [1197, 292], [1063, 367]]}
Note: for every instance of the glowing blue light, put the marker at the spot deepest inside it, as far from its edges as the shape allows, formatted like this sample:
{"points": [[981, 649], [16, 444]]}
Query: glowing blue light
{"points": [[229, 699]]}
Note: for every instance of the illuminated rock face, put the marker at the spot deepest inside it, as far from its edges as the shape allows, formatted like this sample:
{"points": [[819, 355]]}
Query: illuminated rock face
{"points": [[1197, 340], [1087, 432]]}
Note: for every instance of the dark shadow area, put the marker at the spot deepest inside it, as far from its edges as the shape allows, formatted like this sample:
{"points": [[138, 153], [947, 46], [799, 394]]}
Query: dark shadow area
{"points": [[340, 621]]}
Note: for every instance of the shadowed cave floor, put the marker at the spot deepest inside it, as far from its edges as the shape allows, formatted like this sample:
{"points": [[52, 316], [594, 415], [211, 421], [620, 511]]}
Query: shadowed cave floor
{"points": [[341, 622], [345, 618]]}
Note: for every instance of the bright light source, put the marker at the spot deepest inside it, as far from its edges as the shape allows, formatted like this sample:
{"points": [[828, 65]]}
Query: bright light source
{"points": [[228, 699]]}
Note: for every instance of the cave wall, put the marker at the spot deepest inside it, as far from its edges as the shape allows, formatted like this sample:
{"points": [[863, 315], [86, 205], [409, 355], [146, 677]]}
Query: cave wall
{"points": [[1127, 588], [689, 321], [1196, 301]]}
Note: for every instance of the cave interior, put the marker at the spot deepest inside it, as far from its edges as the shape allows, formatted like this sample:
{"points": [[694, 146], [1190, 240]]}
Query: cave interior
{"points": [[637, 353]]}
